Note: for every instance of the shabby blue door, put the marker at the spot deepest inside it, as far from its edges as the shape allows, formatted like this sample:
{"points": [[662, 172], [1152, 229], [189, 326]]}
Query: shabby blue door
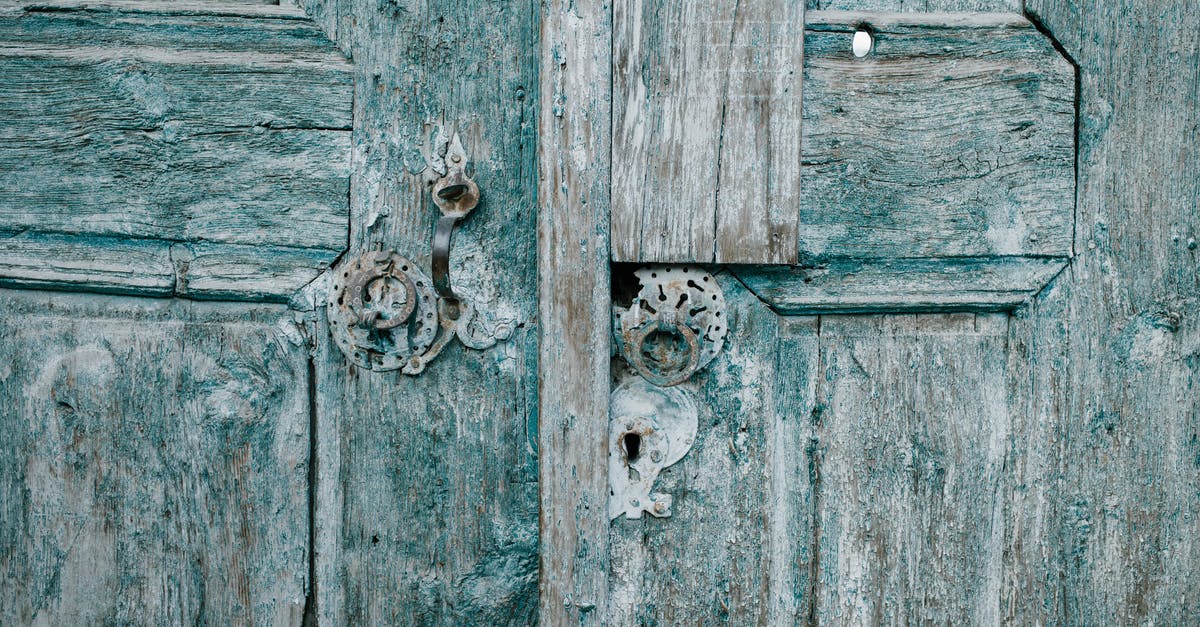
{"points": [[643, 312]]}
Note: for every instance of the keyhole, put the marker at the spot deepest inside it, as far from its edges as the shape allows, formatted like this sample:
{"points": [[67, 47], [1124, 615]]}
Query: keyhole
{"points": [[633, 446]]}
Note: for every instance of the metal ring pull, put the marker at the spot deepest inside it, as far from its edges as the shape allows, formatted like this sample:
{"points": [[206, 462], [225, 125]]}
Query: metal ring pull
{"points": [[681, 301], [658, 375]]}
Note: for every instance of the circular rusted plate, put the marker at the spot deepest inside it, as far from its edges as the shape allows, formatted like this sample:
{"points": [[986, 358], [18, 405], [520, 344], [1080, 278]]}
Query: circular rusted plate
{"points": [[382, 310]]}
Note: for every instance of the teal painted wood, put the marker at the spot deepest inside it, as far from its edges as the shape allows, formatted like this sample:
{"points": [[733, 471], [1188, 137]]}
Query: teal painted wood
{"points": [[426, 490], [154, 465], [1113, 378], [912, 445], [176, 132], [899, 285], [954, 137], [918, 6]]}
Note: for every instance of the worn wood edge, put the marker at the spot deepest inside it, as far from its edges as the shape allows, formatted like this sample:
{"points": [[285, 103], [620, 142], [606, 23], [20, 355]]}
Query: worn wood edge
{"points": [[983, 284], [574, 303], [838, 21], [158, 268], [192, 7]]}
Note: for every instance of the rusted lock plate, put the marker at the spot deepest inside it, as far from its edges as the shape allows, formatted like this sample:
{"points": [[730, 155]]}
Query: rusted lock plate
{"points": [[675, 326]]}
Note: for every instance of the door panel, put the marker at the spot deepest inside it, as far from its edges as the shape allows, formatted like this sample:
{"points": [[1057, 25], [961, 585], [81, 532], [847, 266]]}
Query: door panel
{"points": [[427, 496], [154, 150], [155, 462], [913, 441]]}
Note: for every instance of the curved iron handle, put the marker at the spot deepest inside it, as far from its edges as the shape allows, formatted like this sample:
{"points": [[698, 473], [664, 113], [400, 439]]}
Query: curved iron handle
{"points": [[455, 195]]}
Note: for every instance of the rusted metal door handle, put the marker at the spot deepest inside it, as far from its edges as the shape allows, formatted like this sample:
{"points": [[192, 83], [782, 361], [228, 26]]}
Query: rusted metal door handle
{"points": [[455, 194], [386, 314]]}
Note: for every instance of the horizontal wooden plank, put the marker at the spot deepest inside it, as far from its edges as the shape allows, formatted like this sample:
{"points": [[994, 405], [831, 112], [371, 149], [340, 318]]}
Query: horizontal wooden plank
{"points": [[917, 6], [150, 267], [706, 130], [154, 462], [865, 286], [954, 137], [206, 126]]}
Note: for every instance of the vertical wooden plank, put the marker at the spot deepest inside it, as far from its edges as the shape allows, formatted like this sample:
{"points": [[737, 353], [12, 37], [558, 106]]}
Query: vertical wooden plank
{"points": [[1127, 408], [574, 309], [913, 437], [706, 130], [154, 462], [427, 486], [737, 545]]}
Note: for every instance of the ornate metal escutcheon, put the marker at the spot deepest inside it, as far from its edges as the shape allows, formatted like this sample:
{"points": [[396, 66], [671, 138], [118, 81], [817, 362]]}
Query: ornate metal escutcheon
{"points": [[387, 314], [675, 326], [650, 428]]}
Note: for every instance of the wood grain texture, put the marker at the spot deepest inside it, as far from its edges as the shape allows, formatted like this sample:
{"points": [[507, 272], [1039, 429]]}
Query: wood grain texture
{"points": [[126, 122], [953, 137], [913, 440], [706, 130], [899, 285], [736, 548], [154, 462], [426, 489], [1112, 535], [574, 310]]}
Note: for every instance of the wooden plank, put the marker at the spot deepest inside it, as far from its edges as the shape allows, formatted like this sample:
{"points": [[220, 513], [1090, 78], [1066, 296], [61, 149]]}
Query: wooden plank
{"points": [[151, 267], [155, 459], [102, 264], [706, 129], [426, 489], [913, 432], [900, 285], [173, 127], [737, 546], [1122, 407], [953, 137], [917, 6], [574, 309]]}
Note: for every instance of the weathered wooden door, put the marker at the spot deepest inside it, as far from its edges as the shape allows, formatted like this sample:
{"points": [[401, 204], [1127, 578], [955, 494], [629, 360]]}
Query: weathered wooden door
{"points": [[954, 379]]}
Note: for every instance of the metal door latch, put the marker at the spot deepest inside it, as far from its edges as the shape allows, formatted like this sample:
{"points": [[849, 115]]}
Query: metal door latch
{"points": [[650, 428], [386, 314], [675, 326]]}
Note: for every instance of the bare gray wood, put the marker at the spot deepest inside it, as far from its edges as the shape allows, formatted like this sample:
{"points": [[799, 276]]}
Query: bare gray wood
{"points": [[912, 428], [898, 285], [706, 130], [426, 488], [214, 125], [155, 460], [574, 305], [737, 547], [1110, 533]]}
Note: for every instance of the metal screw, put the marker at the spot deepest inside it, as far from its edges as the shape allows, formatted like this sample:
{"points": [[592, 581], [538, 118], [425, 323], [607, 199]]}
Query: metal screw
{"points": [[659, 508], [655, 456]]}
